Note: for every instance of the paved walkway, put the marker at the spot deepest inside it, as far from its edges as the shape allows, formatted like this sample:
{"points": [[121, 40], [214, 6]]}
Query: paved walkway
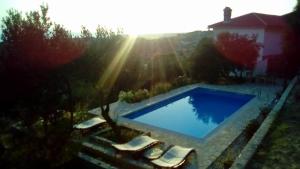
{"points": [[281, 147]]}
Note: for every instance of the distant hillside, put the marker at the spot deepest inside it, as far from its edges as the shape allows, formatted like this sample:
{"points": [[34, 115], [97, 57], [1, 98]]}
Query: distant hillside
{"points": [[188, 41], [153, 47], [181, 44], [158, 35]]}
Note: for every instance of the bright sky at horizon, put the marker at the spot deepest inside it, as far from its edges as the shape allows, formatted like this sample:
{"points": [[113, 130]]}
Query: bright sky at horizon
{"points": [[146, 16]]}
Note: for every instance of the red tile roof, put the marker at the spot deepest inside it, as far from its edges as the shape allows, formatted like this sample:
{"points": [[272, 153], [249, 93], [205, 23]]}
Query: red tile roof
{"points": [[256, 20]]}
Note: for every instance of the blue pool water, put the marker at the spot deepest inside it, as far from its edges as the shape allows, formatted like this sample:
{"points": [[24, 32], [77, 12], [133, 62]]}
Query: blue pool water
{"points": [[194, 113]]}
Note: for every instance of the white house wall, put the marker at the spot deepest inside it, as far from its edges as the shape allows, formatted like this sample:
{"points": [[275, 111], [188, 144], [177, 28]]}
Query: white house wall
{"points": [[273, 43]]}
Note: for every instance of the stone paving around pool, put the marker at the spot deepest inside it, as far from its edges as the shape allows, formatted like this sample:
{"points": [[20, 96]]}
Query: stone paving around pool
{"points": [[211, 147]]}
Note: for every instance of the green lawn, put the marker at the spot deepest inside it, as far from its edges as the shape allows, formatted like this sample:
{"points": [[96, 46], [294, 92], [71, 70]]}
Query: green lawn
{"points": [[281, 147]]}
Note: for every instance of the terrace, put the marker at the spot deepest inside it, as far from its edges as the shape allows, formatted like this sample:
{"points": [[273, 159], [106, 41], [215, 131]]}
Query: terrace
{"points": [[201, 99], [226, 137]]}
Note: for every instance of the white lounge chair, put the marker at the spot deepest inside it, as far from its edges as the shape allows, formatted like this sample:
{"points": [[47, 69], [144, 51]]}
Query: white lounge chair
{"points": [[93, 122], [153, 153], [137, 144], [173, 157]]}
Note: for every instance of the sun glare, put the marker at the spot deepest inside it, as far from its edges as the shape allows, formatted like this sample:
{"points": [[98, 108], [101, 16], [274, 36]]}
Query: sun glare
{"points": [[144, 16], [112, 73]]}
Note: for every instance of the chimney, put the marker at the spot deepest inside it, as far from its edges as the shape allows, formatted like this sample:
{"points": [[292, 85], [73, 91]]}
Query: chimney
{"points": [[227, 14]]}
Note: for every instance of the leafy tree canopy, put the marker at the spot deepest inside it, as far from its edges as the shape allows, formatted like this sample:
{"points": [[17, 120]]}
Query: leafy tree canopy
{"points": [[242, 50], [36, 44], [207, 63], [292, 43], [36, 48]]}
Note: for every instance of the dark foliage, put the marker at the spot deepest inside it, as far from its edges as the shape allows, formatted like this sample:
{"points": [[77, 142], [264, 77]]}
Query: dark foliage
{"points": [[28, 149], [35, 49], [292, 43], [34, 89], [227, 164], [251, 128], [207, 63]]}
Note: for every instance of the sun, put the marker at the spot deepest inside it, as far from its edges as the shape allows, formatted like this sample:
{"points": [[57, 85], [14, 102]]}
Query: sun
{"points": [[133, 31]]}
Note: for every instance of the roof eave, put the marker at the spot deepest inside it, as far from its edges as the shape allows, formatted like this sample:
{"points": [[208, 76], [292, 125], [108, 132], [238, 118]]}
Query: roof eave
{"points": [[230, 26]]}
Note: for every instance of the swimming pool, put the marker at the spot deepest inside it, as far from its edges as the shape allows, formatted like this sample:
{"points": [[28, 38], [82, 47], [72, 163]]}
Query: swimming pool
{"points": [[194, 113]]}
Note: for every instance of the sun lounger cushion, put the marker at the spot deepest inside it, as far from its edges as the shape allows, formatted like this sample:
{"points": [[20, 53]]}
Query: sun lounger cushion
{"points": [[153, 153], [89, 123], [173, 157], [137, 144]]}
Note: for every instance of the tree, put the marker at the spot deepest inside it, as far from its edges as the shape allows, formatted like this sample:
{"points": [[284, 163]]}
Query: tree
{"points": [[207, 63], [36, 50], [99, 49], [35, 90], [106, 97], [106, 94], [132, 73], [292, 42], [242, 50], [93, 67], [165, 67]]}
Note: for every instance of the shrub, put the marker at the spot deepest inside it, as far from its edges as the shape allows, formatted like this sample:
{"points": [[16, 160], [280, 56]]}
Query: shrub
{"points": [[161, 87], [141, 94], [297, 96], [227, 164], [279, 93], [264, 111], [126, 96], [84, 93], [181, 81], [251, 128], [134, 96]]}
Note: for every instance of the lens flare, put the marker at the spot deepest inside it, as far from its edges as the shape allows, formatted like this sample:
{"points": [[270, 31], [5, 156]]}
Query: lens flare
{"points": [[111, 74]]}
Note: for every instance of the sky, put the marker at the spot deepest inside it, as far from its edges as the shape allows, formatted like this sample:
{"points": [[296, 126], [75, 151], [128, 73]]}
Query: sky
{"points": [[146, 16]]}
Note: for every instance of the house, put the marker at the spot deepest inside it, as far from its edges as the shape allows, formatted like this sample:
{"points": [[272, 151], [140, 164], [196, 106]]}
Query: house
{"points": [[269, 30]]}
